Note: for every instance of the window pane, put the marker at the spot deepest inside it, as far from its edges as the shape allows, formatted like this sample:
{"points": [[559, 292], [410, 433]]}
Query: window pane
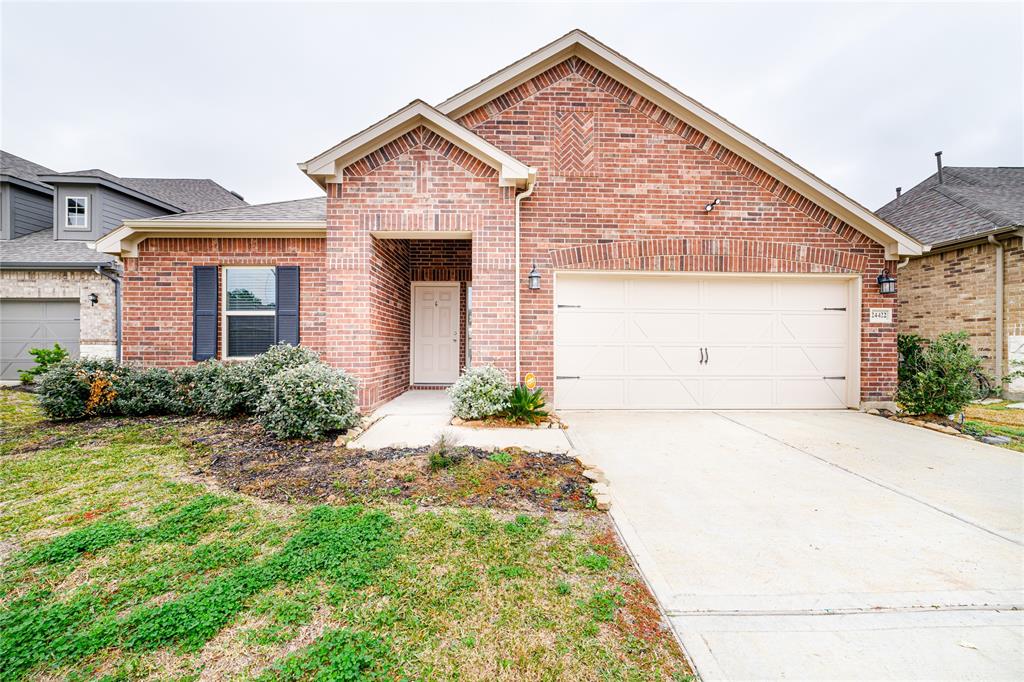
{"points": [[251, 288], [76, 212], [249, 334]]}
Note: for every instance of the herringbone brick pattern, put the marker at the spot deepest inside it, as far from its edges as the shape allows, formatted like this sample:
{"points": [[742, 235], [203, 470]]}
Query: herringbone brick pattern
{"points": [[574, 142]]}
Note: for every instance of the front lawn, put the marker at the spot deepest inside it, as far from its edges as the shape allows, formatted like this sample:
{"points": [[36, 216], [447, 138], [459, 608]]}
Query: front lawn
{"points": [[126, 554], [998, 420]]}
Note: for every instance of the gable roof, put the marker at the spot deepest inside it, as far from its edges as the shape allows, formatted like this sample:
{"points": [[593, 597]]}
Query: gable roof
{"points": [[970, 203], [328, 165], [23, 170], [579, 44], [175, 194]]}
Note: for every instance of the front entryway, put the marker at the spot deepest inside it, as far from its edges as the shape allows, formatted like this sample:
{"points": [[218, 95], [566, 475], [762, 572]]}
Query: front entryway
{"points": [[680, 341], [435, 332]]}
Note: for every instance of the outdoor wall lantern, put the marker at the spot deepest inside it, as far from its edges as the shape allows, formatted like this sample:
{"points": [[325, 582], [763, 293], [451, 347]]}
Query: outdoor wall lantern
{"points": [[94, 299], [710, 206], [886, 283], [534, 278]]}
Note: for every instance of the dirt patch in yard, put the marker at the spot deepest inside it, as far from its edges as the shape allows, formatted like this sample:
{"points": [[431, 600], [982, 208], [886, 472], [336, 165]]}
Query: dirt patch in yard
{"points": [[241, 456]]}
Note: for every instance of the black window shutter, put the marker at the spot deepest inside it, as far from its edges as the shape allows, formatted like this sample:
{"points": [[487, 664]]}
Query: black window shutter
{"points": [[204, 312], [288, 304]]}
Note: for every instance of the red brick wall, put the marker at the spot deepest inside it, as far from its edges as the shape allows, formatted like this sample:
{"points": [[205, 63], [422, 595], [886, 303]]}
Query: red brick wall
{"points": [[389, 290], [622, 185], [419, 183], [157, 316]]}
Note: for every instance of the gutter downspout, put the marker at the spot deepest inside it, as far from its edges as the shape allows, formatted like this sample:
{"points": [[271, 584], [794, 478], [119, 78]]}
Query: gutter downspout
{"points": [[117, 306], [999, 311], [519, 199]]}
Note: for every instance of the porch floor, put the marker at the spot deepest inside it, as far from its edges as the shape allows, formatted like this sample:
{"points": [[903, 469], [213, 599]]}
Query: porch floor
{"points": [[417, 418]]}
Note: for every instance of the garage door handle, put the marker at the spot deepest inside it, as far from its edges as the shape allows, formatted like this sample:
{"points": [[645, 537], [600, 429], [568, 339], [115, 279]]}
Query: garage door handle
{"points": [[563, 377], [835, 378], [567, 305], [835, 309]]}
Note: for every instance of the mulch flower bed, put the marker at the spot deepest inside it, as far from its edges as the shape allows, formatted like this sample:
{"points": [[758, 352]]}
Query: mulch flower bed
{"points": [[241, 456]]}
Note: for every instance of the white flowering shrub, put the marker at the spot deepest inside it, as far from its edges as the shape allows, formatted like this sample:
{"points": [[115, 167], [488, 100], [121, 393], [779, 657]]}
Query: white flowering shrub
{"points": [[308, 401], [480, 392]]}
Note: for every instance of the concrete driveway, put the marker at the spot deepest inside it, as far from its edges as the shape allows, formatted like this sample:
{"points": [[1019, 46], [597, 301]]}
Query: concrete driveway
{"points": [[820, 545]]}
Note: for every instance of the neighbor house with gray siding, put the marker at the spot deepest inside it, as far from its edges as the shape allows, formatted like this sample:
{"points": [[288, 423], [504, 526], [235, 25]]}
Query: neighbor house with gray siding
{"points": [[56, 288]]}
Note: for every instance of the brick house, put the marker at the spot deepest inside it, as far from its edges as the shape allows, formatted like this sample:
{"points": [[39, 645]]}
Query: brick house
{"points": [[972, 277], [676, 261]]}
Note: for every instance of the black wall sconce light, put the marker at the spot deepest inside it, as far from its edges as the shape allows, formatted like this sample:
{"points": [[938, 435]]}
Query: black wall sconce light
{"points": [[710, 206], [534, 278], [94, 299], [886, 283]]}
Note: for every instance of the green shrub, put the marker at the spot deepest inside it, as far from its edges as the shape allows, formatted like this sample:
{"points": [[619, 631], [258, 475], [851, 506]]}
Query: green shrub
{"points": [[444, 454], [249, 378], [479, 393], [525, 405], [142, 392], [73, 389], [45, 359], [911, 355], [945, 383], [308, 401]]}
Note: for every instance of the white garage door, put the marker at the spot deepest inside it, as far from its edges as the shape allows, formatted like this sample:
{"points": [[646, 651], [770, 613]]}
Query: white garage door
{"points": [[683, 342], [28, 324]]}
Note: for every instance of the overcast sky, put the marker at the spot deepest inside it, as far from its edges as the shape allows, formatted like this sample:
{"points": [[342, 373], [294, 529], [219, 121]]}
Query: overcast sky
{"points": [[860, 94]]}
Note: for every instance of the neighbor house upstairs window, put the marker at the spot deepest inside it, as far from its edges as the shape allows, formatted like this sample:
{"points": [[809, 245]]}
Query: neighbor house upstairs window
{"points": [[250, 307], [76, 210]]}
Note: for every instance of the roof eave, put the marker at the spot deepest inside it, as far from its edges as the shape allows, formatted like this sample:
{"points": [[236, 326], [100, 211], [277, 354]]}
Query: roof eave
{"points": [[27, 184], [125, 239]]}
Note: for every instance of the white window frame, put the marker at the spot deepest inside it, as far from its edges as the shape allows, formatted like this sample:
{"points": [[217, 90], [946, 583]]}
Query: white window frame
{"points": [[85, 215], [225, 313]]}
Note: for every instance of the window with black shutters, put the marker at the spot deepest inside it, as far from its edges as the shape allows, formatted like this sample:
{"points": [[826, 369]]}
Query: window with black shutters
{"points": [[250, 310]]}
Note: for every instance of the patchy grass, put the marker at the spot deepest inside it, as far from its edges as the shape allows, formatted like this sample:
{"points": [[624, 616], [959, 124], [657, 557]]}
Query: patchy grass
{"points": [[117, 562], [998, 420]]}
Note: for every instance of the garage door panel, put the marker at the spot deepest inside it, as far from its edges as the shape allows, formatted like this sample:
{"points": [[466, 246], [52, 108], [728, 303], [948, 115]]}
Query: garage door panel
{"points": [[592, 394], [592, 292], [28, 324], [740, 360], [701, 342], [664, 326], [811, 360], [814, 328], [738, 392], [811, 295], [676, 393], [580, 360], [732, 327], [736, 294], [799, 393], [663, 293], [662, 359], [588, 326]]}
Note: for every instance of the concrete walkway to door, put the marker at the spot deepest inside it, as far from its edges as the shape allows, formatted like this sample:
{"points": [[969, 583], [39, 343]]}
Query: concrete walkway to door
{"points": [[418, 418], [820, 545]]}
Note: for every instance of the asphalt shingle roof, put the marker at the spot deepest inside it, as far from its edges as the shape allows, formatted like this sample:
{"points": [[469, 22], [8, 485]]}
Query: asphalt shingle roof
{"points": [[23, 169], [298, 210], [970, 201], [188, 194], [41, 248]]}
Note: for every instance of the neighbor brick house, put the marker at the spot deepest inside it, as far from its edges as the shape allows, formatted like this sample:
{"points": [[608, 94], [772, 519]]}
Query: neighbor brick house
{"points": [[678, 261], [972, 277]]}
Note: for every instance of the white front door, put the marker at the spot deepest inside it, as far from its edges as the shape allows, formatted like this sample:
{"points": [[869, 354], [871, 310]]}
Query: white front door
{"points": [[686, 342], [435, 333]]}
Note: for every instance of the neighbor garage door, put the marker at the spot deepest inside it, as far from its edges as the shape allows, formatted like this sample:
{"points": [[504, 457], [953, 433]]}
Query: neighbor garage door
{"points": [[28, 324], [686, 342]]}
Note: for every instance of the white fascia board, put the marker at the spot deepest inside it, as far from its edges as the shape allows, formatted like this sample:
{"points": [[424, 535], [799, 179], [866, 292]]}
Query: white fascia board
{"points": [[329, 165], [578, 43], [124, 240]]}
